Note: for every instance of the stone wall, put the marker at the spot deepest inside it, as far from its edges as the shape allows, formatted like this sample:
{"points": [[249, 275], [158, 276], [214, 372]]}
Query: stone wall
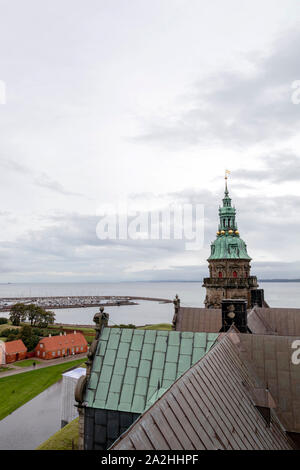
{"points": [[229, 279]]}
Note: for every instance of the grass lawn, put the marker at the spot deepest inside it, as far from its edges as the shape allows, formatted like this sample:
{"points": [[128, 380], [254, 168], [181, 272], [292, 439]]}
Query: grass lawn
{"points": [[26, 363], [62, 440], [5, 369], [16, 390]]}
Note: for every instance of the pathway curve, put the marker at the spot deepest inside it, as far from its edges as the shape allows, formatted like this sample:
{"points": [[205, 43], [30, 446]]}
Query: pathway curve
{"points": [[43, 363]]}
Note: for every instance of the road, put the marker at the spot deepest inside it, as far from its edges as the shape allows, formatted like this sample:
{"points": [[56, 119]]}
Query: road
{"points": [[43, 363]]}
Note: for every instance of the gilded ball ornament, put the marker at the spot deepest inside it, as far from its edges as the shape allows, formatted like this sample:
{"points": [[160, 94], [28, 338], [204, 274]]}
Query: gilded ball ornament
{"points": [[237, 232], [222, 232], [230, 231]]}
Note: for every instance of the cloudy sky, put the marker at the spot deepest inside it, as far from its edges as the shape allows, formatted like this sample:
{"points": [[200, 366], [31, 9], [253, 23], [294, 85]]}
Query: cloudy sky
{"points": [[146, 102]]}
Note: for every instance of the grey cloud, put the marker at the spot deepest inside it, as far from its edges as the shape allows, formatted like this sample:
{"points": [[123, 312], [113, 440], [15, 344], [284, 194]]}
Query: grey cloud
{"points": [[42, 179], [69, 247], [239, 108], [279, 167]]}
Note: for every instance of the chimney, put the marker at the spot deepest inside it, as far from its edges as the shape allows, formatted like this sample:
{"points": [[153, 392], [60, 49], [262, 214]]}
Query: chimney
{"points": [[74, 332], [60, 334], [49, 336], [65, 334], [234, 312], [257, 298]]}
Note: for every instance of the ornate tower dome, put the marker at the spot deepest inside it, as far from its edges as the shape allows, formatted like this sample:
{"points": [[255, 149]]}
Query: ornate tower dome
{"points": [[229, 262]]}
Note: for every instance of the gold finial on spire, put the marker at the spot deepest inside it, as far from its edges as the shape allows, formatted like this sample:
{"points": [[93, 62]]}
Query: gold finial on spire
{"points": [[227, 172]]}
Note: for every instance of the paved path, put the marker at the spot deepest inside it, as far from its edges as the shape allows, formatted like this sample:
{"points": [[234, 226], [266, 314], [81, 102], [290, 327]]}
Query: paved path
{"points": [[43, 363]]}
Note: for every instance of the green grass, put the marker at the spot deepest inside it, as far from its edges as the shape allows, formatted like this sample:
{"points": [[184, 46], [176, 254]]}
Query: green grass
{"points": [[159, 326], [62, 440], [5, 369], [26, 363], [20, 388]]}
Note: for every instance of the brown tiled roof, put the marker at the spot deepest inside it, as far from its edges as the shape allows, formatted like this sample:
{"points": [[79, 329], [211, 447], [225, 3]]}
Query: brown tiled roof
{"points": [[210, 407], [206, 320], [280, 321], [270, 356], [53, 343], [16, 346]]}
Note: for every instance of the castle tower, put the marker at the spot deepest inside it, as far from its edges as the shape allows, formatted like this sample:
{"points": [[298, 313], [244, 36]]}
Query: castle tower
{"points": [[229, 262]]}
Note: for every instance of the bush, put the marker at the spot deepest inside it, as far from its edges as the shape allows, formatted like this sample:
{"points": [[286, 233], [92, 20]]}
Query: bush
{"points": [[3, 320], [12, 337], [124, 326], [9, 332], [38, 332], [31, 342]]}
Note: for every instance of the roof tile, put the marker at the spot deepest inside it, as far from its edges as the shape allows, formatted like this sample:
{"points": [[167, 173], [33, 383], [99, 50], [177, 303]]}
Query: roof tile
{"points": [[145, 368], [150, 336], [126, 335], [123, 350], [134, 358]]}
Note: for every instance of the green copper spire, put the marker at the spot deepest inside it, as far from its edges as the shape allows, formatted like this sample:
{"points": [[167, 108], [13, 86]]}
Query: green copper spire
{"points": [[228, 244]]}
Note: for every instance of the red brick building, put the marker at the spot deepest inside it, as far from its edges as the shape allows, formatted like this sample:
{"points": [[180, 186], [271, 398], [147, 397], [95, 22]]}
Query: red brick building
{"points": [[62, 345], [15, 351]]}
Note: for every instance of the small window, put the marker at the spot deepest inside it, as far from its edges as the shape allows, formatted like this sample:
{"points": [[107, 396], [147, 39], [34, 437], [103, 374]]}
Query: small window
{"points": [[41, 345], [63, 351], [81, 348], [44, 354], [53, 354], [58, 352], [234, 274], [220, 274]]}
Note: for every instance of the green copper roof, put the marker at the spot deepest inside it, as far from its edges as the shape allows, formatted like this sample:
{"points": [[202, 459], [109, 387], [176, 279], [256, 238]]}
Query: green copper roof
{"points": [[228, 244], [132, 368], [229, 247]]}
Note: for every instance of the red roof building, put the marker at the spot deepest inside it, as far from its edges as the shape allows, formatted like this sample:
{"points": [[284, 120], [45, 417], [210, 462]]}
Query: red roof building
{"points": [[62, 345], [15, 351]]}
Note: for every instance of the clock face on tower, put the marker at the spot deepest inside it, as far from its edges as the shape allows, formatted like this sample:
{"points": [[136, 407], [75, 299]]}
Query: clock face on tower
{"points": [[230, 310]]}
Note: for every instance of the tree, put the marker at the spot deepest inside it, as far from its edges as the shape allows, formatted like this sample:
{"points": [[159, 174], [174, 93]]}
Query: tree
{"points": [[3, 320], [46, 318], [28, 337], [17, 314]]}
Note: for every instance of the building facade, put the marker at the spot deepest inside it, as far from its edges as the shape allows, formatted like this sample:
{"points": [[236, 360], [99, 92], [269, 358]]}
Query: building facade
{"points": [[229, 262], [15, 351], [62, 345], [2, 353]]}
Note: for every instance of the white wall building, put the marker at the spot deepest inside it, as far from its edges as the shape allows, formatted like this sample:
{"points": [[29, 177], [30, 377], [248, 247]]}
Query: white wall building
{"points": [[2, 353], [68, 408]]}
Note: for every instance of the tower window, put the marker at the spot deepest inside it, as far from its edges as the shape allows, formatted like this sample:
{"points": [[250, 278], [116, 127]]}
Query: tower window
{"points": [[234, 274], [220, 274]]}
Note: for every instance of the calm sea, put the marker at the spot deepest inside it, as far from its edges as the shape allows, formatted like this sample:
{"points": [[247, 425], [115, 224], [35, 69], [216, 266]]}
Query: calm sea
{"points": [[277, 294]]}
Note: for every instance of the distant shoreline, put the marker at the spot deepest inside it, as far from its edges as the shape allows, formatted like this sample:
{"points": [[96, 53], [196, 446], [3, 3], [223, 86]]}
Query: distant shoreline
{"points": [[159, 281]]}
